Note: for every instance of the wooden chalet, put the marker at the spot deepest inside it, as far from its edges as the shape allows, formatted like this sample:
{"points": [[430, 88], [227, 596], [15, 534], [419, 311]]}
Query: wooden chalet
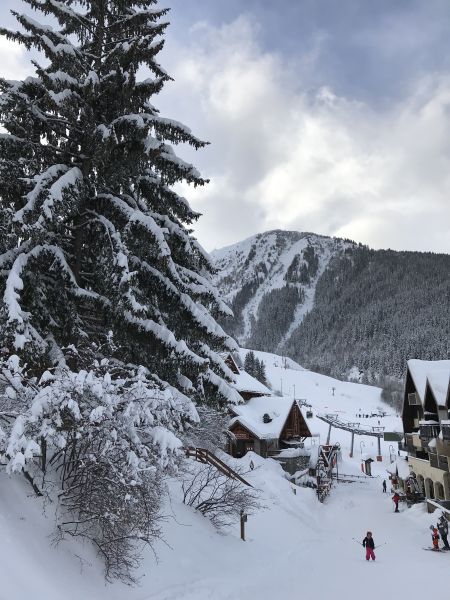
{"points": [[247, 386], [267, 425]]}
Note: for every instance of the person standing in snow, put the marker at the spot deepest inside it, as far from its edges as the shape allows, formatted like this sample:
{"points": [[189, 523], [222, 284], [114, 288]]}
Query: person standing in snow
{"points": [[435, 537], [384, 486], [443, 531], [369, 544], [396, 500]]}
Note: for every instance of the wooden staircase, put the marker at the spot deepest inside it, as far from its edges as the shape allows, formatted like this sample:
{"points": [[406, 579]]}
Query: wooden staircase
{"points": [[207, 457]]}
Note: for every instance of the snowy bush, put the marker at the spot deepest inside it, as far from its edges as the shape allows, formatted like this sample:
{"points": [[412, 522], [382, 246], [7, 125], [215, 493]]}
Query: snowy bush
{"points": [[98, 444]]}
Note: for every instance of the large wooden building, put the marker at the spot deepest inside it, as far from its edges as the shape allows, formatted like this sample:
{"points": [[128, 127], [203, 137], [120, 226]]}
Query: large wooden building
{"points": [[266, 425], [426, 425]]}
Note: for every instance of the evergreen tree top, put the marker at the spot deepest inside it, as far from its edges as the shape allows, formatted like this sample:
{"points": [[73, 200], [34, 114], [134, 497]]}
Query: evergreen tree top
{"points": [[93, 239]]}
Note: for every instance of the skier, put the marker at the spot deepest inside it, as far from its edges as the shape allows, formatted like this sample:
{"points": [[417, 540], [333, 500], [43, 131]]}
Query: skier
{"points": [[384, 486], [369, 545], [435, 537], [396, 499], [443, 530]]}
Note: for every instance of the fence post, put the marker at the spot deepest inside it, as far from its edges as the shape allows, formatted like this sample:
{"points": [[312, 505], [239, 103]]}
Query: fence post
{"points": [[243, 521]]}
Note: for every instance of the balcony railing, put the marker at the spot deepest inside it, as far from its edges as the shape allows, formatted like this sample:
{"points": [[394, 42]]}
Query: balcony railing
{"points": [[429, 432], [446, 432]]}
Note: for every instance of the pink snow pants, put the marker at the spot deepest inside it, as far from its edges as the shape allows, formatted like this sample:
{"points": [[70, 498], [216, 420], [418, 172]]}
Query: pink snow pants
{"points": [[370, 554]]}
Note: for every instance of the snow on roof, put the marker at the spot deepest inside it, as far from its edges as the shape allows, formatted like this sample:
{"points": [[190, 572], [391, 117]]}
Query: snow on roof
{"points": [[439, 382], [246, 383], [401, 467], [367, 456], [251, 415], [422, 369]]}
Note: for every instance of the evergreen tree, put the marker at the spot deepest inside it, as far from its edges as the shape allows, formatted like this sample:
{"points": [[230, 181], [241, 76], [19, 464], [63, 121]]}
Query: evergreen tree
{"points": [[108, 320], [250, 363], [261, 372], [94, 243]]}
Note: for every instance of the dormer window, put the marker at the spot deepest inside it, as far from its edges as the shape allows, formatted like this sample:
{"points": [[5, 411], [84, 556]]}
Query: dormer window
{"points": [[413, 399]]}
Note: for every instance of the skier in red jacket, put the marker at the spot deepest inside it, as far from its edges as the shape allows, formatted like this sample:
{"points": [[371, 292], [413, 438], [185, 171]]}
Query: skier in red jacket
{"points": [[396, 500], [435, 537]]}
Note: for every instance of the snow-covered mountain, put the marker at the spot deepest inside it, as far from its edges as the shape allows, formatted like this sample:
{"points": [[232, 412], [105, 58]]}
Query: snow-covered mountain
{"points": [[334, 305], [259, 273]]}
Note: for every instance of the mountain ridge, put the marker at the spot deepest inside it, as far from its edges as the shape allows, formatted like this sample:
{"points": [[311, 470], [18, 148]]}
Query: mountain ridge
{"points": [[333, 304]]}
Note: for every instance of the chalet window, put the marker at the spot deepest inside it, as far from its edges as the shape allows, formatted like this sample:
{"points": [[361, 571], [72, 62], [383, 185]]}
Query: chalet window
{"points": [[413, 399], [446, 432]]}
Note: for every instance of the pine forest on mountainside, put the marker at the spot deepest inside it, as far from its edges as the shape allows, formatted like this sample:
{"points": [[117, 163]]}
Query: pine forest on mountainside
{"points": [[369, 309]]}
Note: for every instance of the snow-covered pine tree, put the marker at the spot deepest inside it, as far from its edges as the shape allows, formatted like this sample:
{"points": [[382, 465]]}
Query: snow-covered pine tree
{"points": [[250, 362], [108, 316], [93, 239], [261, 372]]}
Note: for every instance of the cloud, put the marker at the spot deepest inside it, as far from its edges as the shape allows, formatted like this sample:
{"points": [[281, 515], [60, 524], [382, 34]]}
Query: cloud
{"points": [[15, 64], [284, 154], [287, 157]]}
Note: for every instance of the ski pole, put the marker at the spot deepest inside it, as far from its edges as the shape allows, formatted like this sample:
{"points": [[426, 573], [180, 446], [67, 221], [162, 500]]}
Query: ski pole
{"points": [[355, 540], [383, 544]]}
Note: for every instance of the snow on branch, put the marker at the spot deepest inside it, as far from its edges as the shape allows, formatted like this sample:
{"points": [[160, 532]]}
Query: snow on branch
{"points": [[225, 390], [14, 282], [41, 183], [165, 336]]}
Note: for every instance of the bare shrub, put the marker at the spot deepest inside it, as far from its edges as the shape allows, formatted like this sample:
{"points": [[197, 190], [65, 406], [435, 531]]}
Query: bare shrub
{"points": [[216, 496]]}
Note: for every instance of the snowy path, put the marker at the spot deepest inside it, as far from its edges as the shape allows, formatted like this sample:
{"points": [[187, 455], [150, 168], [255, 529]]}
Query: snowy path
{"points": [[300, 547], [295, 547]]}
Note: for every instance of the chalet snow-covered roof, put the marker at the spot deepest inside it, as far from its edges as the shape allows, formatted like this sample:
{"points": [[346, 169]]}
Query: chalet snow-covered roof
{"points": [[439, 382], [251, 415], [246, 383], [421, 370]]}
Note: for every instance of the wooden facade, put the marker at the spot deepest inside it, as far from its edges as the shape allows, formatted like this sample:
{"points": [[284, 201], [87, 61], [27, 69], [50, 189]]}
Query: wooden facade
{"points": [[295, 426], [231, 364], [295, 429]]}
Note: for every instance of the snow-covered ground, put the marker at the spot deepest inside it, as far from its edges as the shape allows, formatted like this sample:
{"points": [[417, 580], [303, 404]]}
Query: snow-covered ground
{"points": [[296, 547]]}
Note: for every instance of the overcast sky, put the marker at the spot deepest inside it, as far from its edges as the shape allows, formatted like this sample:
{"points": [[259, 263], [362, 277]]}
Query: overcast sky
{"points": [[323, 115]]}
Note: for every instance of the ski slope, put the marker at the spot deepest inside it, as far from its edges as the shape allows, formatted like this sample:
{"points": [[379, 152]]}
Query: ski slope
{"points": [[296, 547], [328, 395]]}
